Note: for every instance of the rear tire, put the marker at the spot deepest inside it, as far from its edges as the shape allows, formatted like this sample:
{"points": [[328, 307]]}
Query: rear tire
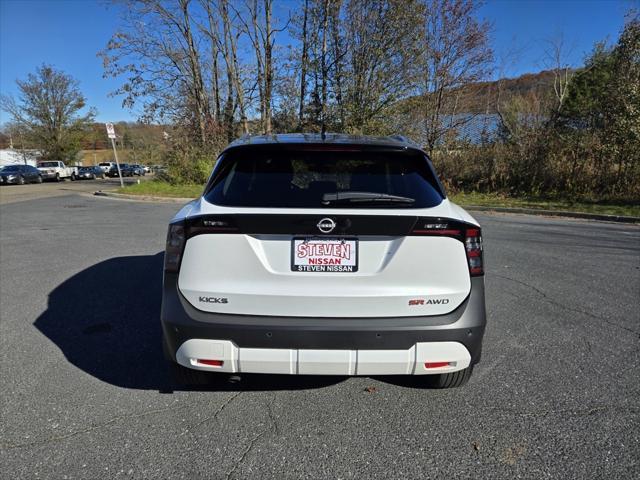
{"points": [[450, 380], [57, 177], [39, 180], [21, 180]]}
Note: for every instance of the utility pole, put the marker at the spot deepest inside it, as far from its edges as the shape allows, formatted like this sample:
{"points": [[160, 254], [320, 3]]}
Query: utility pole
{"points": [[24, 155], [111, 133]]}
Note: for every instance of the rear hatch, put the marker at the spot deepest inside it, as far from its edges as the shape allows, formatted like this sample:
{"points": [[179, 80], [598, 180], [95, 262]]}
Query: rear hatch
{"points": [[306, 232]]}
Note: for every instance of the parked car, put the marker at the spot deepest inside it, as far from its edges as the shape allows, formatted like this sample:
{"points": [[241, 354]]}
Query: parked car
{"points": [[112, 172], [55, 170], [106, 166], [138, 170], [146, 168], [90, 173], [20, 174], [125, 169], [324, 255]]}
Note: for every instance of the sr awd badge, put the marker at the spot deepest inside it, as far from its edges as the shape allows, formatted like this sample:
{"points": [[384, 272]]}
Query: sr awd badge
{"points": [[431, 301]]}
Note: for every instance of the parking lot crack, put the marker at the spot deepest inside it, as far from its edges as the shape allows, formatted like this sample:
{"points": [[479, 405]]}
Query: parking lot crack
{"points": [[273, 429], [218, 411], [552, 301], [272, 416], [246, 452]]}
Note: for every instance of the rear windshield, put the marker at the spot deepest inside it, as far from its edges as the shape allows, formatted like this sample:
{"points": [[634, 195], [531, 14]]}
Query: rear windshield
{"points": [[48, 164], [324, 179], [104, 164]]}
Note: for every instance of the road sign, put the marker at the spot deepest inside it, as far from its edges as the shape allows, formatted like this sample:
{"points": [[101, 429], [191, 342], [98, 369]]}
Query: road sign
{"points": [[111, 132]]}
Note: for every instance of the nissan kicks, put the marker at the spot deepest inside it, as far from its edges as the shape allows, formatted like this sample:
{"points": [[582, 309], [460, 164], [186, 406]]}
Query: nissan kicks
{"points": [[323, 255]]}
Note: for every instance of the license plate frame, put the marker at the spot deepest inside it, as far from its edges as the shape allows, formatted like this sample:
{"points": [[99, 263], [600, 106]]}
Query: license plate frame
{"points": [[345, 251]]}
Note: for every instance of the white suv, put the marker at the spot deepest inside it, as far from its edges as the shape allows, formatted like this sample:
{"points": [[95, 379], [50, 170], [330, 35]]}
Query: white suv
{"points": [[324, 255]]}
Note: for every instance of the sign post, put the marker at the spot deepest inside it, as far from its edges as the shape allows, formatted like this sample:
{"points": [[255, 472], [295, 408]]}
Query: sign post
{"points": [[111, 133]]}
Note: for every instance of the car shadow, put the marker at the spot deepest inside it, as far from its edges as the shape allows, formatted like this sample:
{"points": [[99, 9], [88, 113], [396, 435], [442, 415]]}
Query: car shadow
{"points": [[106, 321]]}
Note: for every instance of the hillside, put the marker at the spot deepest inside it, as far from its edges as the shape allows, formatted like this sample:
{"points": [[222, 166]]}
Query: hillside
{"points": [[482, 97]]}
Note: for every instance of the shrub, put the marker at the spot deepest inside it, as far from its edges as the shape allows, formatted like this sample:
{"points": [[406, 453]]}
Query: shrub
{"points": [[188, 164]]}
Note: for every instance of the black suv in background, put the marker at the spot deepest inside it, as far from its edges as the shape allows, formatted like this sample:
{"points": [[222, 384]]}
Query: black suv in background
{"points": [[126, 170], [20, 174]]}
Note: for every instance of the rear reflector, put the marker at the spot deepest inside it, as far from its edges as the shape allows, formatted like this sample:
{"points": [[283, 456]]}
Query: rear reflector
{"points": [[210, 363], [436, 364]]}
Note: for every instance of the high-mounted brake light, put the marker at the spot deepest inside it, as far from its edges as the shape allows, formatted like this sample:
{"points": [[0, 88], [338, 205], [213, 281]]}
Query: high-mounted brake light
{"points": [[175, 246], [473, 247], [327, 147]]}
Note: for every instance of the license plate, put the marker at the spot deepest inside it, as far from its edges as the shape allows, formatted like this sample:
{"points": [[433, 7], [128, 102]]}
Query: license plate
{"points": [[324, 255]]}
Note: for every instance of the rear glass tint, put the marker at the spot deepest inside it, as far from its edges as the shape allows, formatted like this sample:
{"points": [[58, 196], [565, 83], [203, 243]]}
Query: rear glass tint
{"points": [[301, 179]]}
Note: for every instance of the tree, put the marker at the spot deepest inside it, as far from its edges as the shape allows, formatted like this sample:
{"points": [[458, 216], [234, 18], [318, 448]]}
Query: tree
{"points": [[48, 111], [261, 34], [158, 53], [456, 55], [603, 100], [304, 60], [380, 46], [355, 61], [562, 72]]}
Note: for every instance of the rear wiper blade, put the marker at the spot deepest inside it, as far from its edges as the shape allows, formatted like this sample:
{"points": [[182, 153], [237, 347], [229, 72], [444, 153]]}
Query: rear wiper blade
{"points": [[363, 197]]}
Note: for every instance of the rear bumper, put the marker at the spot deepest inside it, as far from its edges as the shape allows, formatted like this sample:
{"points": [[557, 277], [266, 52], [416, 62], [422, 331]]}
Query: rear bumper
{"points": [[323, 345]]}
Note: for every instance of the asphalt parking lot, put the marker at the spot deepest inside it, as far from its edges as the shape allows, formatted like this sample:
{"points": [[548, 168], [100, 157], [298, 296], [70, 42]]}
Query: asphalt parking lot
{"points": [[85, 395], [33, 191]]}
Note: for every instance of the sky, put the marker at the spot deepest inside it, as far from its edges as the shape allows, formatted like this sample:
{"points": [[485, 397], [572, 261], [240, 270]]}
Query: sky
{"points": [[68, 34]]}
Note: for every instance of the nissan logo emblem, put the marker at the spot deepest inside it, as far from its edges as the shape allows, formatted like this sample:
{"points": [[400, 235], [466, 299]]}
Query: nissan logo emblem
{"points": [[326, 225]]}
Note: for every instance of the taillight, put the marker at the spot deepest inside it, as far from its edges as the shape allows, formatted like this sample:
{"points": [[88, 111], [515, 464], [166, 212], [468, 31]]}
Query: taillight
{"points": [[473, 247], [181, 231], [471, 236], [175, 246]]}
